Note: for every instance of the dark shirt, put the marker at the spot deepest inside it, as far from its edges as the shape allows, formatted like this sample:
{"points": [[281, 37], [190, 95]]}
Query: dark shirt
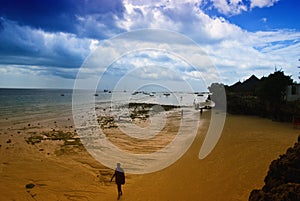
{"points": [[120, 176]]}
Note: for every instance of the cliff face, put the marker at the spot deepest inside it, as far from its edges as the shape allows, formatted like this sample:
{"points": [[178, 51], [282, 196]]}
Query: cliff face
{"points": [[282, 182]]}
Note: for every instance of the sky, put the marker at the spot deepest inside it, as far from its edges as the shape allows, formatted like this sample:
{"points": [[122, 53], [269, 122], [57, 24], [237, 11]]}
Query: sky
{"points": [[45, 44]]}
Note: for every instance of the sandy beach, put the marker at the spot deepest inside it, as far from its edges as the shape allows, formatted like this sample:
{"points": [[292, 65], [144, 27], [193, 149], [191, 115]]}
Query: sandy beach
{"points": [[48, 154]]}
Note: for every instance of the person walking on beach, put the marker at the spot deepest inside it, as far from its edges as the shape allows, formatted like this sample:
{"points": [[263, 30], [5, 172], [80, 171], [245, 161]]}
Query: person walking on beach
{"points": [[120, 179]]}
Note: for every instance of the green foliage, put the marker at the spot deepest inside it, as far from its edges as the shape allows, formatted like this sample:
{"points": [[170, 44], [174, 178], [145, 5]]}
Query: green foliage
{"points": [[243, 104], [272, 89], [264, 97]]}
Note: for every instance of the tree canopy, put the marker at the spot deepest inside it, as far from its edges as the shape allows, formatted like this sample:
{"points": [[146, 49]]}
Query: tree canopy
{"points": [[272, 89]]}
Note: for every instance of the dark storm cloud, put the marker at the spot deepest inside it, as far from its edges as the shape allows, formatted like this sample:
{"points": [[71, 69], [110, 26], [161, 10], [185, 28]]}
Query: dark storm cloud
{"points": [[21, 45], [60, 15], [54, 34], [50, 15]]}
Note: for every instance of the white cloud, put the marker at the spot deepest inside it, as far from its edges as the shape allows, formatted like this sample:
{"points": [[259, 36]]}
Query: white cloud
{"points": [[20, 76], [235, 7], [231, 7], [219, 28], [235, 52], [182, 16], [256, 53], [262, 3], [264, 19], [29, 46], [231, 48]]}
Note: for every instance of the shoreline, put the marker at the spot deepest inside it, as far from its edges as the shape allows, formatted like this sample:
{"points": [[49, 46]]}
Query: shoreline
{"points": [[237, 165]]}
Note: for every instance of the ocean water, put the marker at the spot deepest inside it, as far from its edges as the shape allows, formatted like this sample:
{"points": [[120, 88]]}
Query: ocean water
{"points": [[26, 103]]}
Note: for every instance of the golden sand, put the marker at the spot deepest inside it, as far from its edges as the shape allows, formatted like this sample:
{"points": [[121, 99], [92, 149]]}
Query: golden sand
{"points": [[63, 171]]}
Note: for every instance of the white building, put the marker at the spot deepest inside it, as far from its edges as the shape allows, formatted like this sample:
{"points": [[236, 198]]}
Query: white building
{"points": [[293, 92]]}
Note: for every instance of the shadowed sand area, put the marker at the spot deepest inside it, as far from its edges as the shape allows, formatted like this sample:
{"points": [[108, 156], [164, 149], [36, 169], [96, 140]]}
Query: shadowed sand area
{"points": [[61, 169]]}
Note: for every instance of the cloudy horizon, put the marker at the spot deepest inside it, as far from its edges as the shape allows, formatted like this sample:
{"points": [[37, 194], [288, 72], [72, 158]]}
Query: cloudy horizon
{"points": [[43, 44]]}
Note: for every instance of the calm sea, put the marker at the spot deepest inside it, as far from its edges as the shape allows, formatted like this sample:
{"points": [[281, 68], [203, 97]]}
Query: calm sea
{"points": [[28, 102], [35, 103]]}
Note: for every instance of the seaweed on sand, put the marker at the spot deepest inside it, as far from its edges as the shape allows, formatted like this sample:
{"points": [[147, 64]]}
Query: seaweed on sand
{"points": [[69, 138], [142, 110]]}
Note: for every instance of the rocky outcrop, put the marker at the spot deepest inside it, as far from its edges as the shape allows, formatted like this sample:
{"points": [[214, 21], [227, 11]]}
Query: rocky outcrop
{"points": [[282, 182]]}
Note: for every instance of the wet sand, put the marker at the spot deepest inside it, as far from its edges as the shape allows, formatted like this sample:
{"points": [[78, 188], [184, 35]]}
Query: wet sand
{"points": [[63, 170]]}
